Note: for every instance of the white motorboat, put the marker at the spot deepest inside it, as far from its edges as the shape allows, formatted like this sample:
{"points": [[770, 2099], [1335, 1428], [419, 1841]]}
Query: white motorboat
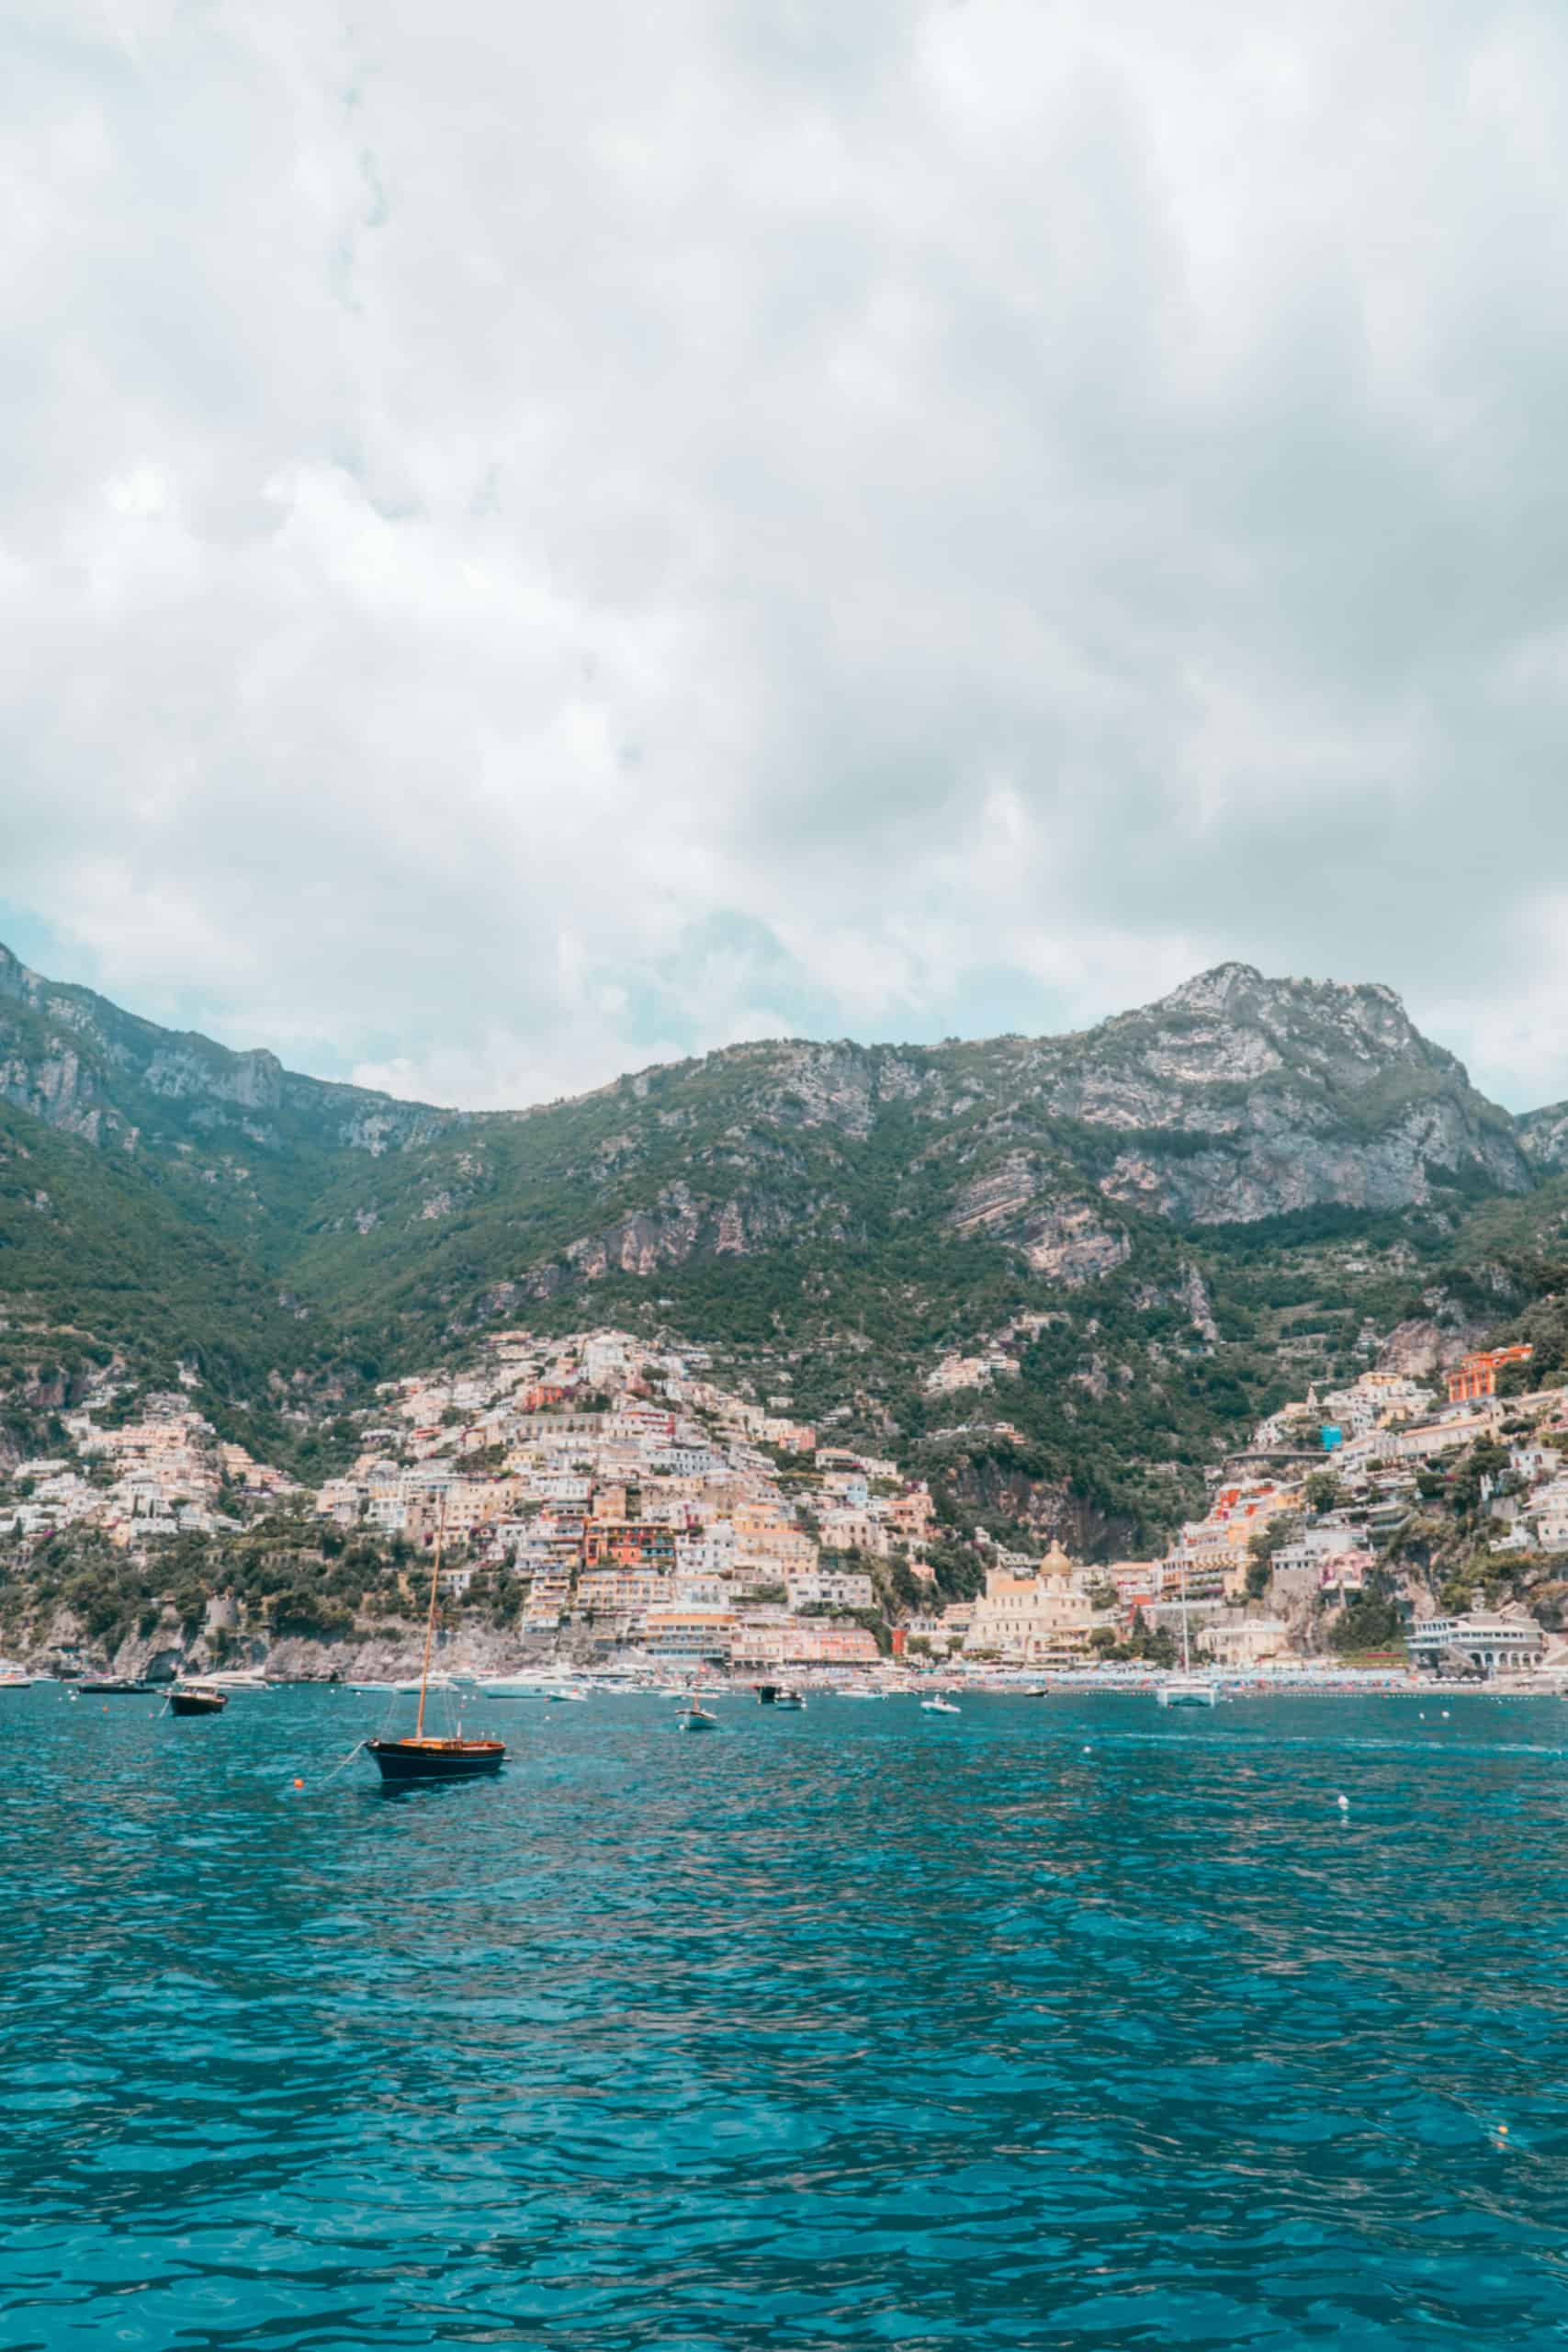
{"points": [[695, 1716], [236, 1678], [559, 1698], [939, 1706]]}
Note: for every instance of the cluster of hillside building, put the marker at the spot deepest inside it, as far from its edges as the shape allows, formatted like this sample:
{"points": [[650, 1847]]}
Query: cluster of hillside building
{"points": [[637, 1507], [163, 1473], [632, 1502]]}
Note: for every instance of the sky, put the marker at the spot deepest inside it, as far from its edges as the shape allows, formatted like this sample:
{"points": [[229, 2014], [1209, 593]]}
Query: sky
{"points": [[538, 541]]}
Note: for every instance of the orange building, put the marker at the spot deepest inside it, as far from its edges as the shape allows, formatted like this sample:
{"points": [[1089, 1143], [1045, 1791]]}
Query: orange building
{"points": [[1477, 1376], [628, 1544]]}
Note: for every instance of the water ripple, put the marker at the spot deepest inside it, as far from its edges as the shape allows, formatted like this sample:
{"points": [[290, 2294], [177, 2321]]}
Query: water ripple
{"points": [[851, 2028]]}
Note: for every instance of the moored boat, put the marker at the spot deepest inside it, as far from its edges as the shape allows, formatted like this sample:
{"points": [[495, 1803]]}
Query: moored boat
{"points": [[939, 1706], [695, 1715], [425, 1756], [1185, 1690], [114, 1686], [197, 1699], [436, 1759]]}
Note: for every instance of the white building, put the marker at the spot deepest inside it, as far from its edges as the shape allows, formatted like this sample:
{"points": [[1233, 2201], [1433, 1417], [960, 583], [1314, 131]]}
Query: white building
{"points": [[830, 1588], [1477, 1644]]}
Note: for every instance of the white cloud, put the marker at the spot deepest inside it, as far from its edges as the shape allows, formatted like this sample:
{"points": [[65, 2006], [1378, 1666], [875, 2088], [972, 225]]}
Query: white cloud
{"points": [[542, 544]]}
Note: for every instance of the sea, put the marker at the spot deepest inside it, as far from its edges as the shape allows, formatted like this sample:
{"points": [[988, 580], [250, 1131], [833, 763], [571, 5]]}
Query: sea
{"points": [[1059, 2022]]}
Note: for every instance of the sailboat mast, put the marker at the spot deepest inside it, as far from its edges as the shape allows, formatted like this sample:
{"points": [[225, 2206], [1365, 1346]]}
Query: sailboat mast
{"points": [[430, 1622], [1186, 1650]]}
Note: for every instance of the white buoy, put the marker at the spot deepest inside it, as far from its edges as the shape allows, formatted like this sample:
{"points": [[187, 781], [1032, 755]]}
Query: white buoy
{"points": [[1343, 1802], [1445, 1715]]}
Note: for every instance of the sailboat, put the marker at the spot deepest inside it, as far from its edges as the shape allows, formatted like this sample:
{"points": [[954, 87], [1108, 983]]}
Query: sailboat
{"points": [[696, 1717], [430, 1759], [1185, 1689]]}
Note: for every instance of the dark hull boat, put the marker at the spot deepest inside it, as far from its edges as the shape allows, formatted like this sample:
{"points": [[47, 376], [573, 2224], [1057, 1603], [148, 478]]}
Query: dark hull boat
{"points": [[436, 1759], [423, 1758], [115, 1686], [196, 1703]]}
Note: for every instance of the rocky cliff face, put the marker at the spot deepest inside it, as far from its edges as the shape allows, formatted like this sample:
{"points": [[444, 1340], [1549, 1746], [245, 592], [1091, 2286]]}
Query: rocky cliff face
{"points": [[79, 1063], [1234, 1099], [1544, 1137]]}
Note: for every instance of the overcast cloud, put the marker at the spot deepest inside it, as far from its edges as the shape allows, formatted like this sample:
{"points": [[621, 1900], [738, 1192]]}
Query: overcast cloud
{"points": [[535, 540]]}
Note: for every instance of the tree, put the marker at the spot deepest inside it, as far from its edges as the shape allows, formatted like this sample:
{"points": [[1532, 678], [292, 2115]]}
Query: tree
{"points": [[1322, 1492], [1371, 1621]]}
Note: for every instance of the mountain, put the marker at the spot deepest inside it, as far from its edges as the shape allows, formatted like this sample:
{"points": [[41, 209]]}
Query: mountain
{"points": [[1155, 1221]]}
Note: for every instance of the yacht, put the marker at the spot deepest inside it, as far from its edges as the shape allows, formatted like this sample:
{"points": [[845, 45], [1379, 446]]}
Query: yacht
{"points": [[1185, 1689]]}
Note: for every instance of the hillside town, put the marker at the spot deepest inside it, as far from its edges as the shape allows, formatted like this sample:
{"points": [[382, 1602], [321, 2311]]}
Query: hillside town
{"points": [[638, 1512]]}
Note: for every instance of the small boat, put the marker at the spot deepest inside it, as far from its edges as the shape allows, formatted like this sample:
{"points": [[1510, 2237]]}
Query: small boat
{"points": [[15, 1679], [197, 1699], [560, 1698], [425, 1758], [436, 1759], [235, 1678], [114, 1686], [939, 1706], [695, 1716], [792, 1702]]}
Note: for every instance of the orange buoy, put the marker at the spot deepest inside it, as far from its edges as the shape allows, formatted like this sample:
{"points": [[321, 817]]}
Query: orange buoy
{"points": [[299, 1784]]}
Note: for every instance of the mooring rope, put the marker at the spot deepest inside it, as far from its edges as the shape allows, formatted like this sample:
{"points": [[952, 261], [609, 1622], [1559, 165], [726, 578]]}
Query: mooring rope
{"points": [[344, 1765]]}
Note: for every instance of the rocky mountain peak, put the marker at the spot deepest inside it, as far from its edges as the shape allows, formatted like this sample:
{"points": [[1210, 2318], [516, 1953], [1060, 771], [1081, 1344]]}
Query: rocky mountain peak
{"points": [[1216, 990]]}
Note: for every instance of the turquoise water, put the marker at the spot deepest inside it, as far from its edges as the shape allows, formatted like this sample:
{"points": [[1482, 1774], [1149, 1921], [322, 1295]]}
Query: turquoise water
{"points": [[1065, 2023]]}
